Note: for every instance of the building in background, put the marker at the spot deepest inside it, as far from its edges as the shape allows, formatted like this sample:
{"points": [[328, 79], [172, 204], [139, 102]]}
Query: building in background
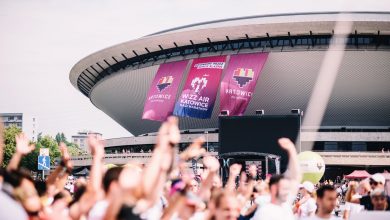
{"points": [[10, 119], [81, 139], [355, 130]]}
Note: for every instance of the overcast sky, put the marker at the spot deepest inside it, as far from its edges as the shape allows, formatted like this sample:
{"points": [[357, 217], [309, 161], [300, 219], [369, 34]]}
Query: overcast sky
{"points": [[40, 41]]}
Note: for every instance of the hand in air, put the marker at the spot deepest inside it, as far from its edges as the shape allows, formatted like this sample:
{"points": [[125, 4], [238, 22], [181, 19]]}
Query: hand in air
{"points": [[211, 163], [23, 145], [96, 145]]}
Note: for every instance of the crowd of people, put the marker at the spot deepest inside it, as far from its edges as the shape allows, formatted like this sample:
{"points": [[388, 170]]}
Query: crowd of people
{"points": [[166, 189]]}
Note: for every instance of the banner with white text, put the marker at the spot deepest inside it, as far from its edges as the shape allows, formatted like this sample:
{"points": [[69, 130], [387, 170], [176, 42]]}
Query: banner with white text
{"points": [[198, 96], [160, 100], [240, 81]]}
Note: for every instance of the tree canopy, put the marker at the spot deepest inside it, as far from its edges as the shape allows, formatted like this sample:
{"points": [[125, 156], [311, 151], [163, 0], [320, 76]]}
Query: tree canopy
{"points": [[30, 161]]}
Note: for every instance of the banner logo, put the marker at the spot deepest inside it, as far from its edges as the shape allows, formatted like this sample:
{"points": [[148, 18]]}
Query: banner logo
{"points": [[200, 89], [164, 82], [243, 76], [239, 82], [160, 100], [210, 65], [198, 84]]}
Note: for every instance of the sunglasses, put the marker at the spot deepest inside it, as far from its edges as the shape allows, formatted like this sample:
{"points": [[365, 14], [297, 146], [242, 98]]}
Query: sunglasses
{"points": [[373, 183]]}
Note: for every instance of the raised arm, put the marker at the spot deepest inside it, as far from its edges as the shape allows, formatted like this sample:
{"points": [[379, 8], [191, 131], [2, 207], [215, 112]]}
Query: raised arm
{"points": [[293, 171], [212, 165], [94, 186], [162, 159], [23, 147], [57, 179], [153, 170], [96, 145], [234, 171]]}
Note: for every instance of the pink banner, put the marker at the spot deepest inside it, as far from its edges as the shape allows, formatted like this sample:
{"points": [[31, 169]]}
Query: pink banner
{"points": [[240, 80], [162, 93], [200, 90]]}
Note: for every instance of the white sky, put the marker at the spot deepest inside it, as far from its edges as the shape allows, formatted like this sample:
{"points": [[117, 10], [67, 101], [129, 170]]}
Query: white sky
{"points": [[40, 41]]}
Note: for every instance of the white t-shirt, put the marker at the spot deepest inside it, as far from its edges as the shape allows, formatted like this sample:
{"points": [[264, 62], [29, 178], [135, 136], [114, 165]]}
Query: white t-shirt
{"points": [[307, 207], [262, 200], [353, 207], [98, 211], [10, 209], [198, 216], [155, 212], [318, 218], [274, 212], [71, 188]]}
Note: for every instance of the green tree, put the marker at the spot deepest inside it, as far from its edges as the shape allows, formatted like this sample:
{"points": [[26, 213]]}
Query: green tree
{"points": [[29, 161], [10, 143], [49, 142], [39, 136], [74, 150], [60, 137]]}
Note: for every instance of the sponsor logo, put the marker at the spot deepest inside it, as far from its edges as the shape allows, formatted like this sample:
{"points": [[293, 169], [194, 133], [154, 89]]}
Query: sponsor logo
{"points": [[164, 82], [243, 76], [319, 166], [198, 84], [210, 65]]}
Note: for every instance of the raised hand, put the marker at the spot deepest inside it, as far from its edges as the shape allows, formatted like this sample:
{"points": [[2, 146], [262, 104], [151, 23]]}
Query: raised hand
{"points": [[65, 155], [211, 163], [64, 151], [235, 169], [96, 145], [162, 142], [173, 130], [286, 144], [168, 134], [194, 150], [253, 170], [22, 144], [293, 171]]}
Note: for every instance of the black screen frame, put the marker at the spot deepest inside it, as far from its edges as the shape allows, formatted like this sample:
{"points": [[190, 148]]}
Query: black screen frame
{"points": [[284, 159]]}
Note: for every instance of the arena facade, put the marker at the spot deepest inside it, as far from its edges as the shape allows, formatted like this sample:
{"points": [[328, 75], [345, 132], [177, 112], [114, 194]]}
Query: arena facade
{"points": [[357, 118]]}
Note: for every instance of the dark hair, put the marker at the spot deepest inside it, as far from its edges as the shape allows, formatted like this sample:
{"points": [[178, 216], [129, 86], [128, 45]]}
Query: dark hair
{"points": [[40, 186], [15, 177], [321, 191], [275, 179], [78, 194], [111, 175], [58, 196]]}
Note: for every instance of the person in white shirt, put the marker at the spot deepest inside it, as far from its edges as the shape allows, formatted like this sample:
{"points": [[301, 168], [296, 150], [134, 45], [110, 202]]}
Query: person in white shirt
{"points": [[326, 202], [352, 194], [110, 181], [307, 204], [283, 188]]}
